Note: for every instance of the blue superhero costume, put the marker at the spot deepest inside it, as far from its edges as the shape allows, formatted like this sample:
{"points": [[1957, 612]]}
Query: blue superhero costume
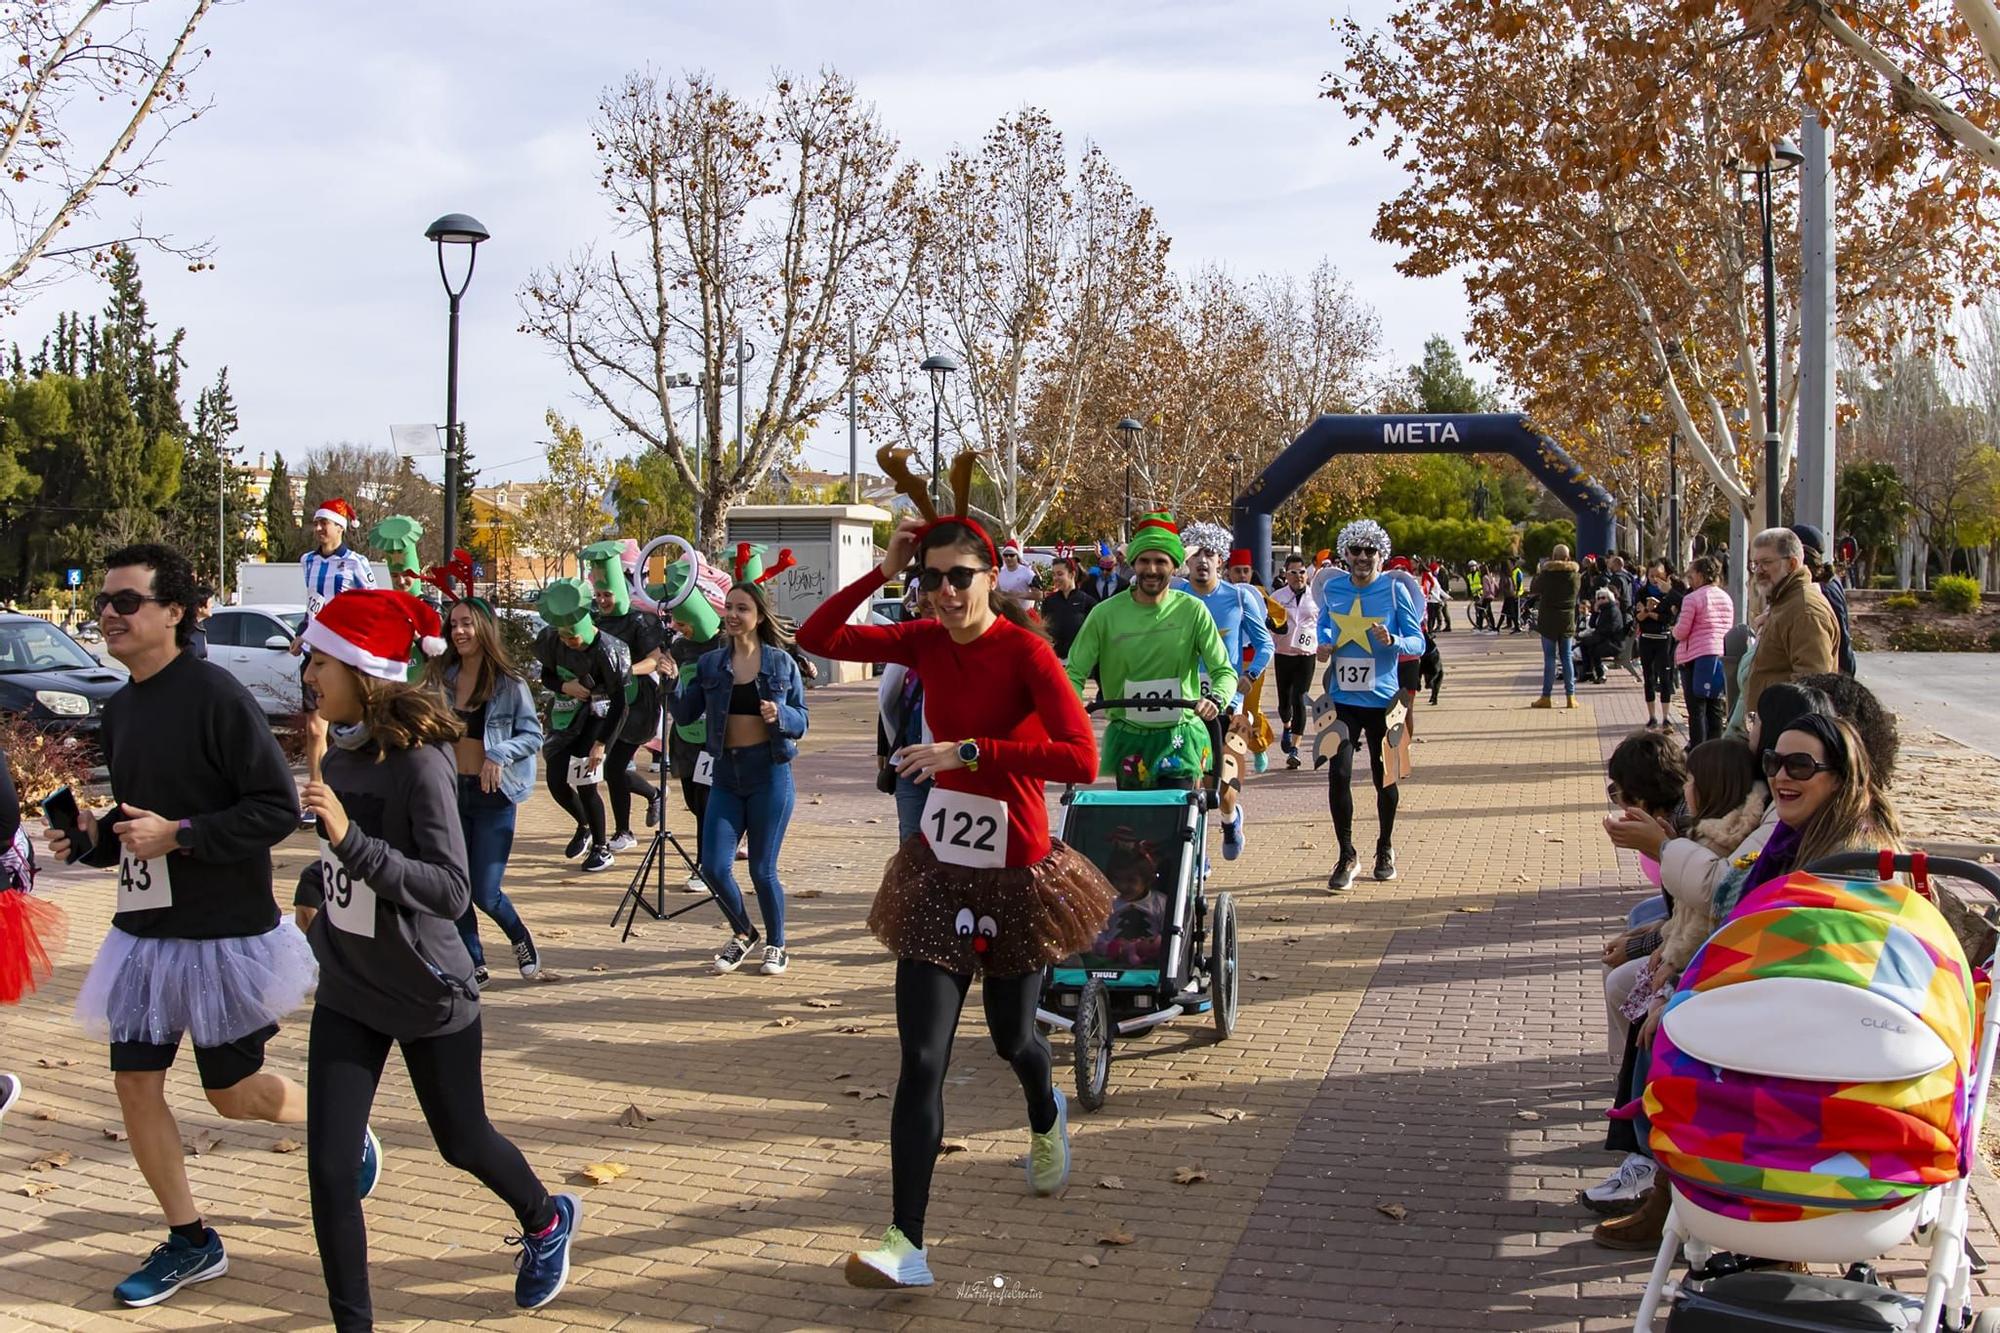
{"points": [[1239, 614], [1363, 671]]}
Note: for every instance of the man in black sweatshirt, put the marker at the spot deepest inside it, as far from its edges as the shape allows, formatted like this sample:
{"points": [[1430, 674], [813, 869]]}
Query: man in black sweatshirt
{"points": [[197, 945]]}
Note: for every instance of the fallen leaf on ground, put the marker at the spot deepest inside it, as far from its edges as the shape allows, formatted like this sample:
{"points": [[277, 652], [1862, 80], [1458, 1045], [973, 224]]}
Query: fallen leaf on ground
{"points": [[783, 1021], [632, 1117], [816, 799], [1110, 1183], [54, 1161], [1231, 1113], [745, 1205], [1393, 1211], [1263, 976], [1541, 830], [1527, 1115], [1189, 1175], [1281, 919], [40, 1115], [599, 967], [1116, 1236], [811, 893], [52, 1062], [819, 1002], [950, 1146], [556, 933], [602, 1173], [115, 1135], [287, 1145], [865, 1094], [1089, 1260], [1522, 879], [545, 976], [201, 1143], [835, 1078], [872, 819], [1558, 839], [34, 1189], [1471, 909], [850, 1027]]}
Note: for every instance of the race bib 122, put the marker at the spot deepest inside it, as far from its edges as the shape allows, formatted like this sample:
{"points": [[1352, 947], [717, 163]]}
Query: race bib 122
{"points": [[966, 830]]}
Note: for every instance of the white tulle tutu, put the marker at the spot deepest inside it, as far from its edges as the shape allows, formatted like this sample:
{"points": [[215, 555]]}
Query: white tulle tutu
{"points": [[153, 990]]}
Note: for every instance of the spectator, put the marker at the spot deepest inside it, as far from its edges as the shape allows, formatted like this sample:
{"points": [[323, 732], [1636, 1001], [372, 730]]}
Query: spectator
{"points": [[1799, 635], [1513, 581], [204, 607], [1622, 582], [1109, 579], [1556, 591], [1605, 633], [1857, 704], [1706, 614], [1658, 607], [1066, 604], [1831, 586]]}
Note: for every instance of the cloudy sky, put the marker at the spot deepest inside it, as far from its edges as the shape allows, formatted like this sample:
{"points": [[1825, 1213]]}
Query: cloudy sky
{"points": [[341, 129]]}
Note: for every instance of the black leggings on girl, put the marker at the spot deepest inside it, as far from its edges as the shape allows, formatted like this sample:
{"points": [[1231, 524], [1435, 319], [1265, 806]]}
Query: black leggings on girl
{"points": [[343, 1067], [928, 1000], [583, 804], [621, 780]]}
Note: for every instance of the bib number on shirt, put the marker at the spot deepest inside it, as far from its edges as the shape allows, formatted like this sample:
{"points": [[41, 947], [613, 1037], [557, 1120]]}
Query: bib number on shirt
{"points": [[350, 903], [1152, 689], [704, 769], [585, 771], [144, 885], [314, 603], [966, 830], [1354, 675]]}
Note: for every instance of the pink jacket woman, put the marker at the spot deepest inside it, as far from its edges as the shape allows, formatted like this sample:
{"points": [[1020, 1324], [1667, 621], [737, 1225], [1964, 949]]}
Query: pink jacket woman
{"points": [[1706, 615]]}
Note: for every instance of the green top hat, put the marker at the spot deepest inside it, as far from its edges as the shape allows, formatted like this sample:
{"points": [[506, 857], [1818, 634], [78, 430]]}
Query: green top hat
{"points": [[682, 598], [396, 538], [565, 605], [606, 562]]}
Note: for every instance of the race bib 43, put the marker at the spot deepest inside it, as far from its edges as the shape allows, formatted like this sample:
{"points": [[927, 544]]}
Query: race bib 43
{"points": [[144, 885]]}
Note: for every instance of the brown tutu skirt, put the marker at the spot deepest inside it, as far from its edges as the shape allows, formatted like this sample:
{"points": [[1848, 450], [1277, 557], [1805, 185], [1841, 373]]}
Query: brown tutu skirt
{"points": [[1003, 923]]}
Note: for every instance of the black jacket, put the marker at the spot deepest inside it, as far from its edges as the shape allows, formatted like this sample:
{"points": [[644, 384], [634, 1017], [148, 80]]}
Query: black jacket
{"points": [[1063, 614]]}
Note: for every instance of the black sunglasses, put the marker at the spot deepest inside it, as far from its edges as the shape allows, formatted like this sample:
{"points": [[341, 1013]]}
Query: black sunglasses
{"points": [[125, 602], [1797, 766], [961, 576], [1362, 550]]}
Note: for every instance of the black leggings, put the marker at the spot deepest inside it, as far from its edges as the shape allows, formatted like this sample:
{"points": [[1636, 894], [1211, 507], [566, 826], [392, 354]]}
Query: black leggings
{"points": [[1705, 716], [583, 804], [343, 1067], [1373, 725], [685, 756], [928, 999], [621, 779], [1656, 663], [1295, 674]]}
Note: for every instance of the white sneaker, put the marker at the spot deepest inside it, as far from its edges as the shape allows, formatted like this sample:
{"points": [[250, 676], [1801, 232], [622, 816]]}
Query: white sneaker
{"points": [[1619, 1193], [775, 961], [696, 884], [623, 842]]}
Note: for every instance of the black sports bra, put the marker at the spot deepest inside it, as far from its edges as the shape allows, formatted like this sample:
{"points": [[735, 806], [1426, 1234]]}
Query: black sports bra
{"points": [[474, 720], [743, 700]]}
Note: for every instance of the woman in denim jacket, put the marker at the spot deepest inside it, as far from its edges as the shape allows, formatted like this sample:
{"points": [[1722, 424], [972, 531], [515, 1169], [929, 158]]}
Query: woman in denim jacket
{"points": [[749, 690], [496, 768]]}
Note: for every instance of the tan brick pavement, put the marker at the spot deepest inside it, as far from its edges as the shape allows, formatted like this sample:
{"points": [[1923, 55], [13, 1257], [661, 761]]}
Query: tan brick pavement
{"points": [[1434, 1043]]}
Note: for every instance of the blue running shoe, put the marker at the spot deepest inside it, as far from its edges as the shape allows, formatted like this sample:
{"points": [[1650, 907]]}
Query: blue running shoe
{"points": [[1232, 837], [172, 1266], [371, 1162], [543, 1266]]}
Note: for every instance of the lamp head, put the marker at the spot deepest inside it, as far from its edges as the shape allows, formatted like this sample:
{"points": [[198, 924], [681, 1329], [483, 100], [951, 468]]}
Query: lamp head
{"points": [[457, 229], [941, 363], [1130, 425]]}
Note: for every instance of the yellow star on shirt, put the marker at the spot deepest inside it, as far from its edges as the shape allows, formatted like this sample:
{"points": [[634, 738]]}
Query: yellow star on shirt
{"points": [[1354, 627]]}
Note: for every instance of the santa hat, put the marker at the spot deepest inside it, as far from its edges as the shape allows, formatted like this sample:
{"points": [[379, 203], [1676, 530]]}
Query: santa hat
{"points": [[1010, 547], [336, 509], [373, 631]]}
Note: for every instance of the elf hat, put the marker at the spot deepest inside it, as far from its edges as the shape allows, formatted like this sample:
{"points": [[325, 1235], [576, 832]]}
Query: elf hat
{"points": [[566, 605], [1156, 532], [336, 509], [373, 631], [683, 598], [396, 537]]}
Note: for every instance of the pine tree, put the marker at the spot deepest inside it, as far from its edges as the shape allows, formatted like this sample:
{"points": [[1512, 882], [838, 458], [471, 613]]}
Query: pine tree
{"points": [[207, 464], [281, 519]]}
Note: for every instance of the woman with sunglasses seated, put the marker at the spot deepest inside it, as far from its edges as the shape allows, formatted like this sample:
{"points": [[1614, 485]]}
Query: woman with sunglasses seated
{"points": [[983, 888]]}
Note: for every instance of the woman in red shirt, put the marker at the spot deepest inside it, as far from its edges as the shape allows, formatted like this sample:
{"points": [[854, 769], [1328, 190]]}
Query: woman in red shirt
{"points": [[982, 888]]}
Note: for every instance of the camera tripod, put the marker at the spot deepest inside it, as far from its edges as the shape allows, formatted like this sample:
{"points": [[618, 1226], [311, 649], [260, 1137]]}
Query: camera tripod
{"points": [[654, 863]]}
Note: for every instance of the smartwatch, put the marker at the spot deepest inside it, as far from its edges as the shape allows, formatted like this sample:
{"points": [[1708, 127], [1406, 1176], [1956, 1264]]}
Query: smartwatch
{"points": [[968, 754], [184, 835]]}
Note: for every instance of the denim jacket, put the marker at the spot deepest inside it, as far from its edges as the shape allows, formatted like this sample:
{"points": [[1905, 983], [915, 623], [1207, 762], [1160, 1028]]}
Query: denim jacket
{"points": [[704, 692], [513, 733]]}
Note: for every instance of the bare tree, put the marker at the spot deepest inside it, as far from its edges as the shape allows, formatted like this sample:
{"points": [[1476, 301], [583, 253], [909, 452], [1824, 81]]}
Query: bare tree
{"points": [[570, 511], [783, 223], [56, 156]]}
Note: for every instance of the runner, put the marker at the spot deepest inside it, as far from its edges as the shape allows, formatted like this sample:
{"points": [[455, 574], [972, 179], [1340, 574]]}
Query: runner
{"points": [[1153, 640], [1366, 622], [1239, 615], [197, 946], [1259, 737], [1295, 648], [32, 930], [1017, 576], [698, 627], [331, 568], [645, 638], [587, 672], [985, 889], [391, 882]]}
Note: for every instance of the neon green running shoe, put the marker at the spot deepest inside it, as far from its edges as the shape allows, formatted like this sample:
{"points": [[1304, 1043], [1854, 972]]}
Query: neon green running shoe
{"points": [[1048, 1154], [895, 1264]]}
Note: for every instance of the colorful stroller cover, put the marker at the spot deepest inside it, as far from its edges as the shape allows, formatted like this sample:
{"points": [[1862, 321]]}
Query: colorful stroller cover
{"points": [[1817, 1055]]}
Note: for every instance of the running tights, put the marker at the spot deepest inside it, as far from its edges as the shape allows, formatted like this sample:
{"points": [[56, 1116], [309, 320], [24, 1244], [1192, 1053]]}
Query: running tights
{"points": [[343, 1066], [928, 1000], [1295, 673], [1370, 724], [583, 804], [621, 779]]}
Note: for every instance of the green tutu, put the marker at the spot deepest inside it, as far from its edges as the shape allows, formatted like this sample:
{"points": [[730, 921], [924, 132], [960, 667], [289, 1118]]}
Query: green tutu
{"points": [[1134, 754]]}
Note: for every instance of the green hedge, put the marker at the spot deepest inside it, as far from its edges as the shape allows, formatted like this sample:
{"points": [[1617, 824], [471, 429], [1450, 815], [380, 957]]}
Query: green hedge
{"points": [[1955, 594]]}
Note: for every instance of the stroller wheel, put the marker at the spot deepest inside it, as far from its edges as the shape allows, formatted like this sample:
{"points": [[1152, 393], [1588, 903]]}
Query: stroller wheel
{"points": [[1986, 1321], [1222, 966], [1090, 1044]]}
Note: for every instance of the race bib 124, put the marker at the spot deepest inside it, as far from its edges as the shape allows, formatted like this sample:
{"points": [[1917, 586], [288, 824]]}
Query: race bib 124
{"points": [[1152, 689]]}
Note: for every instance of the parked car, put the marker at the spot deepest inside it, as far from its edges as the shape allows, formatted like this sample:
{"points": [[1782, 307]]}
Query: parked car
{"points": [[47, 678], [254, 644], [887, 611]]}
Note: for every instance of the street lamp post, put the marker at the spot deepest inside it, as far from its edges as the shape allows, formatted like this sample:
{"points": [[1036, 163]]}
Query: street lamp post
{"points": [[454, 229], [744, 352], [1784, 154], [1674, 491], [1235, 483], [937, 367], [1130, 427]]}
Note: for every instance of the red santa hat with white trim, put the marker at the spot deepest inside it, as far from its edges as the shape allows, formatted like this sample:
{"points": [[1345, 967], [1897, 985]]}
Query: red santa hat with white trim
{"points": [[336, 509], [373, 631]]}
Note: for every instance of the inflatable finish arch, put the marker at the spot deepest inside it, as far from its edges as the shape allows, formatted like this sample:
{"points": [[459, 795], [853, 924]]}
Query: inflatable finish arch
{"points": [[1333, 436]]}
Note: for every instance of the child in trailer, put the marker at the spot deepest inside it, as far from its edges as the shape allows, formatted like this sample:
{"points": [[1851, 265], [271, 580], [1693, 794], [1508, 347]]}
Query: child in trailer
{"points": [[391, 881]]}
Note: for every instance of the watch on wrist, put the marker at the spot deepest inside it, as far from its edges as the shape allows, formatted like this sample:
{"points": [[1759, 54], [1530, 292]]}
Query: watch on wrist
{"points": [[184, 835], [968, 754]]}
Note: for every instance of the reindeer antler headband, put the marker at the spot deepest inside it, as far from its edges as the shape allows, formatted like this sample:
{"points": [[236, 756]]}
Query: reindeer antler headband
{"points": [[896, 466], [458, 569]]}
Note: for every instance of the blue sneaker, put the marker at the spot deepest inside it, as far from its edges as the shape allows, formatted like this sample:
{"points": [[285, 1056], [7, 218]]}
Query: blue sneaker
{"points": [[172, 1266], [1232, 837], [371, 1161], [543, 1267]]}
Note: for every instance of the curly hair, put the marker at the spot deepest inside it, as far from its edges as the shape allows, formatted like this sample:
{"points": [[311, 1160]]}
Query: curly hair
{"points": [[173, 580], [1649, 770]]}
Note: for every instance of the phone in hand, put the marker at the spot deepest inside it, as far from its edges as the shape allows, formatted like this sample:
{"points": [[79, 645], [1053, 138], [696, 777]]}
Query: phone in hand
{"points": [[62, 813]]}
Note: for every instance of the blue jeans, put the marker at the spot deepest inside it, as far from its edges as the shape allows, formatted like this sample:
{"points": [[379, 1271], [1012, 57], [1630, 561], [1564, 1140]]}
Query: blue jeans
{"points": [[910, 798], [1554, 650], [754, 792], [488, 820]]}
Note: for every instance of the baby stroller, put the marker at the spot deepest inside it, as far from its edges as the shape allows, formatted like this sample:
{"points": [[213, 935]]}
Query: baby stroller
{"points": [[1815, 1097], [1166, 951]]}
